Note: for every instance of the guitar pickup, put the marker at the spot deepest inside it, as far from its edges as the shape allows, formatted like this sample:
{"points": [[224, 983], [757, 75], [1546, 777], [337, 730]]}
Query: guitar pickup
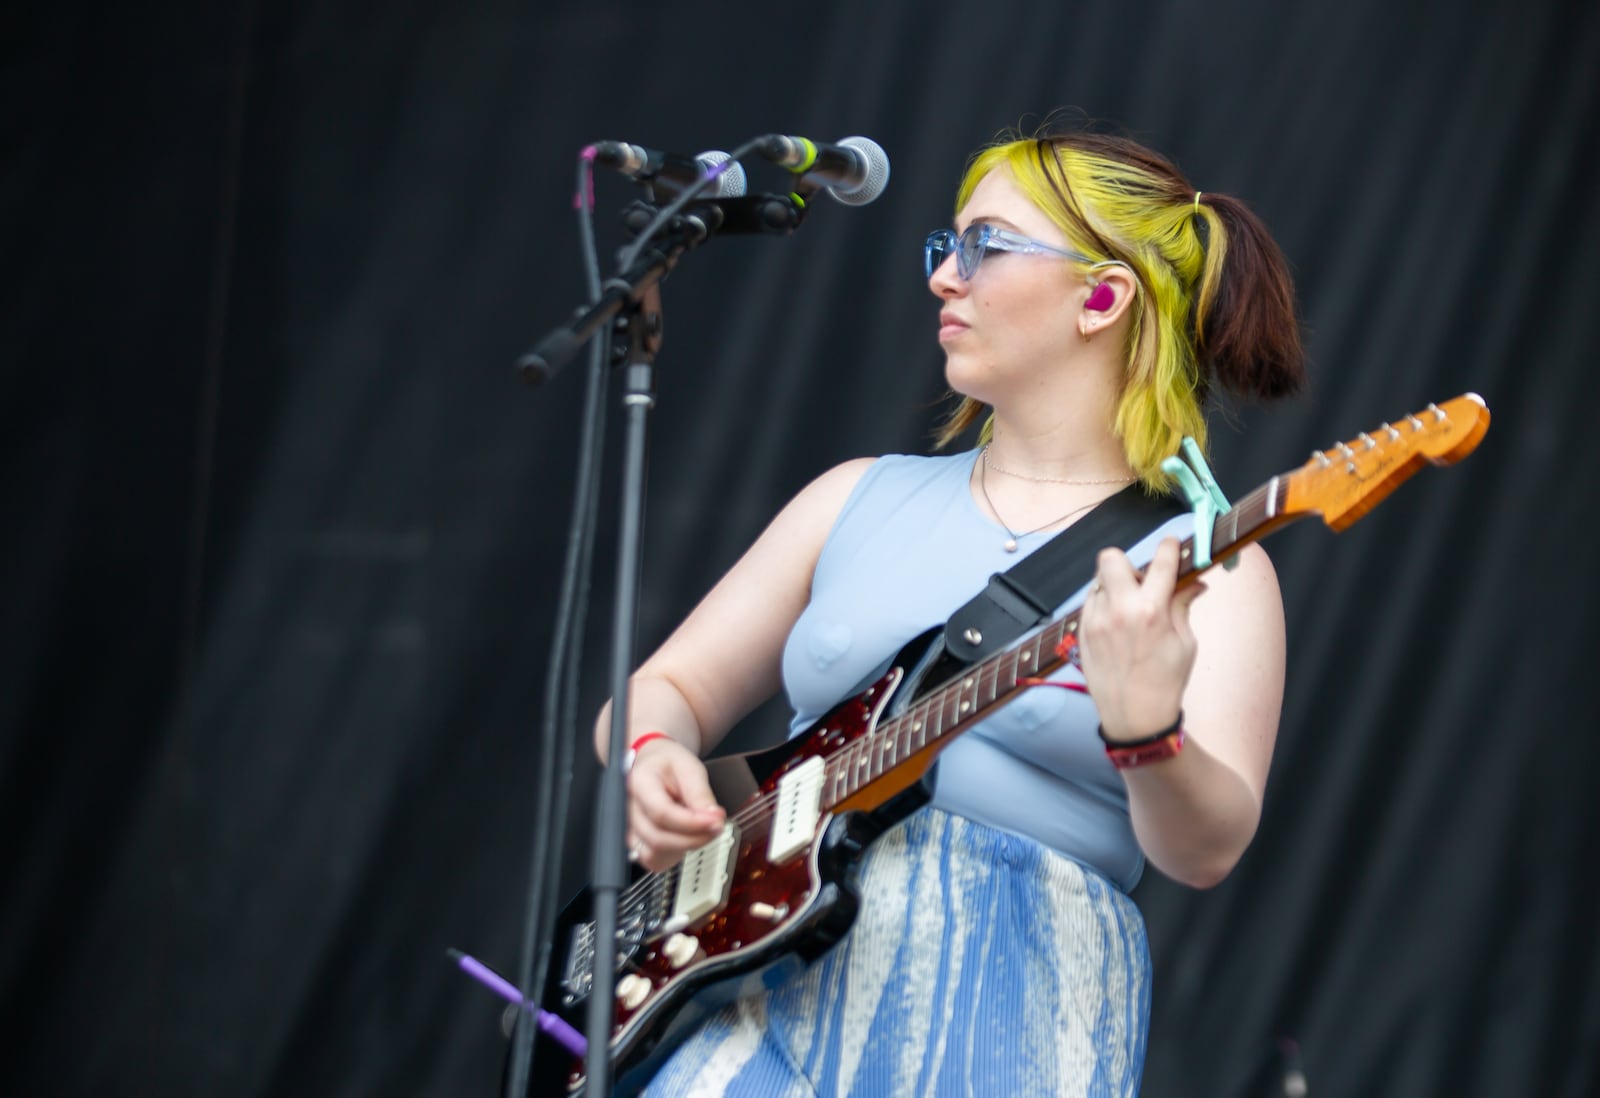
{"points": [[703, 880], [794, 824]]}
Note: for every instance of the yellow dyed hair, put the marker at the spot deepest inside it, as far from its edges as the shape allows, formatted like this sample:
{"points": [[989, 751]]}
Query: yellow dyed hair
{"points": [[1111, 207]]}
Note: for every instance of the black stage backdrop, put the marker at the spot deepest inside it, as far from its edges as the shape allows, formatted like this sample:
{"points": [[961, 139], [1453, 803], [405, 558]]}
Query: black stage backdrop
{"points": [[283, 529]]}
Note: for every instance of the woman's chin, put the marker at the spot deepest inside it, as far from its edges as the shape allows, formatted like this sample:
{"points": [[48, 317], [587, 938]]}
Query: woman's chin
{"points": [[963, 379]]}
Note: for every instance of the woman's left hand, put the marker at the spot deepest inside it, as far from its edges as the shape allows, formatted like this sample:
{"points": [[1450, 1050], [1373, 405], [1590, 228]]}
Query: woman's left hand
{"points": [[1136, 646]]}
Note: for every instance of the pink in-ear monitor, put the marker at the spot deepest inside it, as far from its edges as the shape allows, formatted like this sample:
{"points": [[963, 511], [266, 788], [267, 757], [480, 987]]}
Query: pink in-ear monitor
{"points": [[1100, 298]]}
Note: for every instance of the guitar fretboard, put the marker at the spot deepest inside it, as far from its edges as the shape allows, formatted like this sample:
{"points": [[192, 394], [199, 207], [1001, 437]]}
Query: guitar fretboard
{"points": [[966, 698]]}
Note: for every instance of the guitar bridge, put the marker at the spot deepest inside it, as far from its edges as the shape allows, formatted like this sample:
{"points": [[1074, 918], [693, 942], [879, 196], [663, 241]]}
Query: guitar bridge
{"points": [[635, 922], [578, 977]]}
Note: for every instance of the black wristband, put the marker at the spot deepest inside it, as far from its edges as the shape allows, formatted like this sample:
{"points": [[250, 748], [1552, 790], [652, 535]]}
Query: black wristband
{"points": [[1142, 741]]}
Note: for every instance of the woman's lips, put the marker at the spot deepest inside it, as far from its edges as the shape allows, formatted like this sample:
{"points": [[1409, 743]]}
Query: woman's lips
{"points": [[950, 326]]}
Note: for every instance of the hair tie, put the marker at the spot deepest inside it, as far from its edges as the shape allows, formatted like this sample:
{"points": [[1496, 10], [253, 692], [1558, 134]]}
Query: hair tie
{"points": [[1197, 203]]}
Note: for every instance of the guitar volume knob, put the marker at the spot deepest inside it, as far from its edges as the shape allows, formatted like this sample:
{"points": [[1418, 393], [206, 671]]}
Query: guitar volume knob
{"points": [[680, 949], [632, 990]]}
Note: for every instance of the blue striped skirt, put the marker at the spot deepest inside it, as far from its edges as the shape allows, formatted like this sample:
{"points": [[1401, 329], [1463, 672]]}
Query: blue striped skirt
{"points": [[982, 963]]}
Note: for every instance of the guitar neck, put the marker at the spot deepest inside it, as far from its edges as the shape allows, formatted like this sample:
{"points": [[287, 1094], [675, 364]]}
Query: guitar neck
{"points": [[1339, 484], [935, 719]]}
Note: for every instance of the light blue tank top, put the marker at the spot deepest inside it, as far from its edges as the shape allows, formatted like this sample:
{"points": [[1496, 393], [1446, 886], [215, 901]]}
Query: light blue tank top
{"points": [[909, 547]]}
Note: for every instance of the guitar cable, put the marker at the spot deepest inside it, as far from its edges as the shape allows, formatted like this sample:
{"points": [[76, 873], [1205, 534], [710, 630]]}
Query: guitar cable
{"points": [[553, 780]]}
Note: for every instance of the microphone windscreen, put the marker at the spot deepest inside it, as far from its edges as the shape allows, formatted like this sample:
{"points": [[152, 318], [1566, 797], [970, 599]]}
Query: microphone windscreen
{"points": [[877, 172]]}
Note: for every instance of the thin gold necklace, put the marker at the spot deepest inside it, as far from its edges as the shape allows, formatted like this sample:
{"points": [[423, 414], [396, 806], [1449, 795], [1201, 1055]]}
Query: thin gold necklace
{"points": [[1010, 544], [987, 464]]}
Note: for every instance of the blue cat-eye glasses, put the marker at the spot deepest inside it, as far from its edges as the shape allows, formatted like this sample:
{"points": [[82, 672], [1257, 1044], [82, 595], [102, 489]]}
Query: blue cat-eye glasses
{"points": [[978, 241]]}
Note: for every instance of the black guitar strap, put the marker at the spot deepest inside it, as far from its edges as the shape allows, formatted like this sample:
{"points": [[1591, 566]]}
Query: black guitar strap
{"points": [[1028, 592]]}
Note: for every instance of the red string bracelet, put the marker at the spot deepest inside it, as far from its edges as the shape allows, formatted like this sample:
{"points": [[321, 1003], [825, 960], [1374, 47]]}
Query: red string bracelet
{"points": [[646, 738], [633, 748]]}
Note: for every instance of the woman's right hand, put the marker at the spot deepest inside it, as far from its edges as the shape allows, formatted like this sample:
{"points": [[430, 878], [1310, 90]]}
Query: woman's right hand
{"points": [[670, 807]]}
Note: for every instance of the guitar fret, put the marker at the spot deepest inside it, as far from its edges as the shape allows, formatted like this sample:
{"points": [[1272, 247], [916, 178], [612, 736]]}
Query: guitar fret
{"points": [[918, 723], [1249, 513], [1232, 520], [1049, 640]]}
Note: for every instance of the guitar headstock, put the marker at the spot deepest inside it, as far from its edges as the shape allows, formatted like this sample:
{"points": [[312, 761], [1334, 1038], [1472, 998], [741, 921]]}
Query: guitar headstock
{"points": [[1343, 483]]}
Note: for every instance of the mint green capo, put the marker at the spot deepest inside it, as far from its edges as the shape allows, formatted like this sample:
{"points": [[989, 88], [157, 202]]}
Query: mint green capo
{"points": [[1205, 499]]}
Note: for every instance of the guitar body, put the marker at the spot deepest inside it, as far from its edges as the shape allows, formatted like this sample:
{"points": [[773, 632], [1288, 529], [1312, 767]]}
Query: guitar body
{"points": [[773, 915]]}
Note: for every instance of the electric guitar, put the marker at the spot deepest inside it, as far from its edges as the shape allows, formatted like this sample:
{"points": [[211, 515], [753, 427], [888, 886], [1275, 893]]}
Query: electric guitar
{"points": [[774, 890]]}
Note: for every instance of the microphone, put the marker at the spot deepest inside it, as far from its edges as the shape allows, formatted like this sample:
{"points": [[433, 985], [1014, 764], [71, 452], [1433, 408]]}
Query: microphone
{"points": [[855, 170], [668, 174]]}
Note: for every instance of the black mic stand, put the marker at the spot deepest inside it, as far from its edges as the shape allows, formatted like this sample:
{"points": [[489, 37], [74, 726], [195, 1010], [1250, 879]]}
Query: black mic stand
{"points": [[643, 325], [632, 301]]}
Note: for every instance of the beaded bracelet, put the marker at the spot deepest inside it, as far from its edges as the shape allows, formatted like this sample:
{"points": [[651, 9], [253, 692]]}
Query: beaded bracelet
{"points": [[1127, 754]]}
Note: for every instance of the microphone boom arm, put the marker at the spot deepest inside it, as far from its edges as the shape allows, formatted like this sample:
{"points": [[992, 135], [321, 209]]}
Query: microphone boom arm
{"points": [[760, 213]]}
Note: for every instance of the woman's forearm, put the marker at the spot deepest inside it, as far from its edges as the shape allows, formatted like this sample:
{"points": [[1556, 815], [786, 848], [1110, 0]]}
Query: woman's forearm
{"points": [[1192, 814]]}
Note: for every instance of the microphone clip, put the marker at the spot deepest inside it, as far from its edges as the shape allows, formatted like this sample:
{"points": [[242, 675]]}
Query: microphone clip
{"points": [[745, 215]]}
